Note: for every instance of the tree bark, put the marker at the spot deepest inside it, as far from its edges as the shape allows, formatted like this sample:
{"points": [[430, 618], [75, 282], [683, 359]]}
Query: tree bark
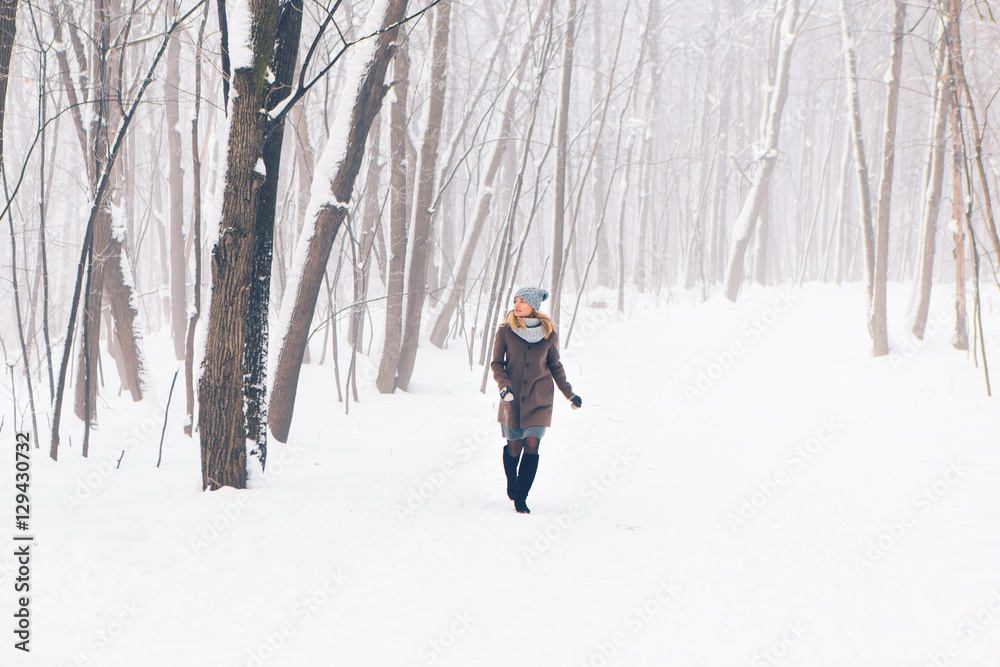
{"points": [[934, 178], [109, 269], [286, 46], [562, 157], [195, 231], [178, 270], [421, 244], [877, 317], [221, 420], [961, 338], [398, 193], [861, 161], [750, 211], [363, 245], [354, 119]]}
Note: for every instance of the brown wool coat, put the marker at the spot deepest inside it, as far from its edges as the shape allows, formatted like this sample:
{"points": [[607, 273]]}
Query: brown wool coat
{"points": [[528, 369]]}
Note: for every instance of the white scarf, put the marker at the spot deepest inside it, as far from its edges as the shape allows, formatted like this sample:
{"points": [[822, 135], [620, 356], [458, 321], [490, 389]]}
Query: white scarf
{"points": [[534, 331]]}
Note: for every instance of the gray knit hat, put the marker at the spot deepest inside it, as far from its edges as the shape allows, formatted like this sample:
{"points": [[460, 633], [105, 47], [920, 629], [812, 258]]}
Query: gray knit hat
{"points": [[533, 296]]}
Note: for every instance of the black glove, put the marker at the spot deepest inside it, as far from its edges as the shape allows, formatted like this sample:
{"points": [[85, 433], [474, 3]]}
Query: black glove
{"points": [[576, 402], [506, 395]]}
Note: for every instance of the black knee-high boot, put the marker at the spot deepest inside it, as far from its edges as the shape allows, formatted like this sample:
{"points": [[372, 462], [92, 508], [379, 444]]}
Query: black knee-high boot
{"points": [[525, 477], [510, 468]]}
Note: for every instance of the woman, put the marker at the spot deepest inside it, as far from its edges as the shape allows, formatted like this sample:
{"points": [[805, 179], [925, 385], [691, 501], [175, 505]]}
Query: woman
{"points": [[525, 363]]}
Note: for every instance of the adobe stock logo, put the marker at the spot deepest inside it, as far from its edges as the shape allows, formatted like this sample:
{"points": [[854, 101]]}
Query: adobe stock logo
{"points": [[750, 333], [922, 502], [794, 463]]}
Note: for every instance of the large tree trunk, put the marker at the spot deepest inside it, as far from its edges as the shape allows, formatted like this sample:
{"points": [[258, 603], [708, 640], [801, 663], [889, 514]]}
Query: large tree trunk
{"points": [[860, 160], [221, 419], [877, 318], [933, 181], [422, 242], [562, 156], [750, 211], [386, 379], [286, 46], [355, 114]]}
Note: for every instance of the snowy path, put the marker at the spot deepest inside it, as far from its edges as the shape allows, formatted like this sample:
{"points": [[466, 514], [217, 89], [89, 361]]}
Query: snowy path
{"points": [[744, 486]]}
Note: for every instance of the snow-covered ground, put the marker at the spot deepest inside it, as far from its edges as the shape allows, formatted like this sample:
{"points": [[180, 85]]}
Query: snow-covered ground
{"points": [[744, 485]]}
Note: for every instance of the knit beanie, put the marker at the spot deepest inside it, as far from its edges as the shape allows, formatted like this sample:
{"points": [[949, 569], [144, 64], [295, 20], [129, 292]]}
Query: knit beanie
{"points": [[533, 296]]}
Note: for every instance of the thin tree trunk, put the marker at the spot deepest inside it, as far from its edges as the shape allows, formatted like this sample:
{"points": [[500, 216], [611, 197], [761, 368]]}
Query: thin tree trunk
{"points": [[385, 382], [362, 246], [8, 33], [962, 84], [43, 202], [718, 233], [178, 270], [861, 161], [562, 157], [844, 211], [961, 338], [760, 242], [109, 269], [622, 206], [88, 238], [745, 223], [195, 229], [421, 245], [877, 317], [934, 178]]}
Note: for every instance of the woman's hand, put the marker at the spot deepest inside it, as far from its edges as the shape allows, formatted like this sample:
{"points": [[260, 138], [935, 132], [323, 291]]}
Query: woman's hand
{"points": [[576, 402], [506, 395]]}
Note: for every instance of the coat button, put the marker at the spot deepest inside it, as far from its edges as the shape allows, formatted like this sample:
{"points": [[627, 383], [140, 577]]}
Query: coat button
{"points": [[527, 364], [522, 399], [524, 382]]}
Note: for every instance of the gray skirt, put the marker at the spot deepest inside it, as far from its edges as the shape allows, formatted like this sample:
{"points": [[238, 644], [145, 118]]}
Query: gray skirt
{"points": [[521, 433]]}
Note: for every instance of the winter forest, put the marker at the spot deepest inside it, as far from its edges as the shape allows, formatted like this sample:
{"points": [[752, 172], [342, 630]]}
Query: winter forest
{"points": [[261, 248]]}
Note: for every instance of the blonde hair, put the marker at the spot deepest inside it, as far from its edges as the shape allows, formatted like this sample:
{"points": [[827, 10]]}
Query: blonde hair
{"points": [[515, 322]]}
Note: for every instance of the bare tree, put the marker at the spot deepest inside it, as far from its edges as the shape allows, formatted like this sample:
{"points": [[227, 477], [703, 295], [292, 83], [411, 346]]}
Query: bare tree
{"points": [[329, 210], [877, 318], [221, 421], [860, 160], [421, 243], [484, 196], [952, 10], [109, 272], [562, 157], [195, 229], [933, 180], [178, 268], [282, 68], [386, 379], [750, 211]]}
